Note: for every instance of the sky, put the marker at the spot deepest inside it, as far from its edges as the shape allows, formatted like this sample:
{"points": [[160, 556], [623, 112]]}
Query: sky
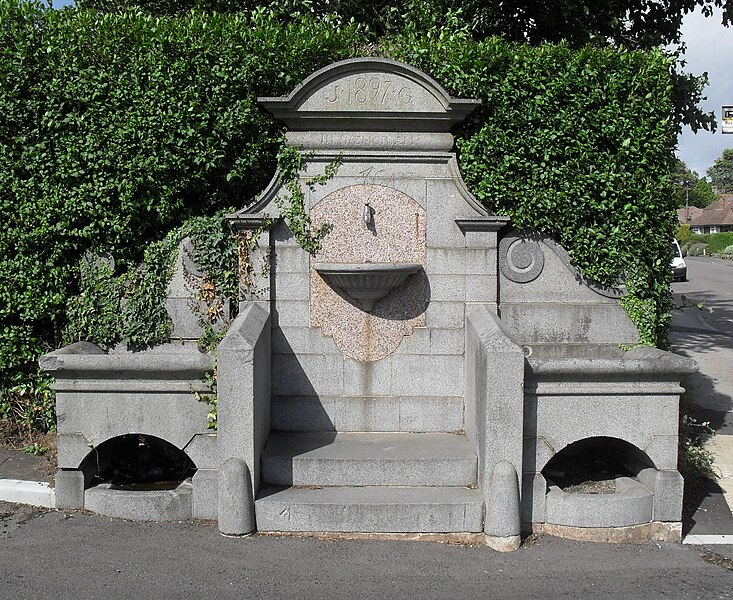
{"points": [[709, 49]]}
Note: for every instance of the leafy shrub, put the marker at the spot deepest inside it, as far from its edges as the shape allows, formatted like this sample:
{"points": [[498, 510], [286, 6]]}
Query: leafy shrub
{"points": [[94, 315], [719, 242], [702, 238], [684, 231], [146, 321], [695, 460], [697, 249], [728, 250], [698, 239], [29, 403]]}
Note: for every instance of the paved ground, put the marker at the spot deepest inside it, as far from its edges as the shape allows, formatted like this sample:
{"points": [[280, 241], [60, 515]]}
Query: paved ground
{"points": [[706, 334], [60, 554]]}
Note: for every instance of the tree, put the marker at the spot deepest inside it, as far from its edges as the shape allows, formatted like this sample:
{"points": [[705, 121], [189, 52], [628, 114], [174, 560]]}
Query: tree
{"points": [[691, 189], [721, 173], [641, 24]]}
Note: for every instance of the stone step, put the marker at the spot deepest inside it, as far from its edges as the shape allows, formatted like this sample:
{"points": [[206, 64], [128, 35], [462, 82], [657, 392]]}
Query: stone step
{"points": [[370, 509], [366, 459]]}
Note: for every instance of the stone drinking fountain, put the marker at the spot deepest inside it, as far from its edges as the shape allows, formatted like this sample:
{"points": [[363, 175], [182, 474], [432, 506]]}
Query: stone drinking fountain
{"points": [[428, 370]]}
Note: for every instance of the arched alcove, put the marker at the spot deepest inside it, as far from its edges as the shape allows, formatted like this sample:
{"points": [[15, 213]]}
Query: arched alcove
{"points": [[592, 461], [137, 460]]}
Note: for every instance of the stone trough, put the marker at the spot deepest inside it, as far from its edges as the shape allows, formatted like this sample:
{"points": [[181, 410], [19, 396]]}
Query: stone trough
{"points": [[592, 393], [101, 397], [146, 397], [425, 371]]}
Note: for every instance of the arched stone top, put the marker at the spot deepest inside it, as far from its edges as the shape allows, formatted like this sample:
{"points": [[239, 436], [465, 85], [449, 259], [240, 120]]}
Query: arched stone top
{"points": [[369, 94]]}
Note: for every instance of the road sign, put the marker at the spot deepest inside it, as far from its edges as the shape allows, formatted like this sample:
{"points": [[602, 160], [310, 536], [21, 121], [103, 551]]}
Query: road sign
{"points": [[728, 119]]}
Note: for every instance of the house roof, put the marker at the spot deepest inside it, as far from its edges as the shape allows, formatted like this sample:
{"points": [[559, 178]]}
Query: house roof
{"points": [[717, 213], [723, 201], [688, 213]]}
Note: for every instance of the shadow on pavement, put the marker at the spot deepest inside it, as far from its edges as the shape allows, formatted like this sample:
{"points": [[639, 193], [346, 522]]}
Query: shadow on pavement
{"points": [[706, 337], [705, 511]]}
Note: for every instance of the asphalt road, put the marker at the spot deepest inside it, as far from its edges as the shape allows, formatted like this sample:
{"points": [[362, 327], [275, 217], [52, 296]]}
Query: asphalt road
{"points": [[702, 328], [73, 555], [710, 281], [706, 334]]}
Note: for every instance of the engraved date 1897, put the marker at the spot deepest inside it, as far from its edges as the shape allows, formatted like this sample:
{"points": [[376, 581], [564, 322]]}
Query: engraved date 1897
{"points": [[368, 91]]}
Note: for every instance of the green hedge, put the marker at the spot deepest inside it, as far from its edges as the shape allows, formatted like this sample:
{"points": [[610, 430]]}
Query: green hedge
{"points": [[698, 238], [115, 129], [719, 242]]}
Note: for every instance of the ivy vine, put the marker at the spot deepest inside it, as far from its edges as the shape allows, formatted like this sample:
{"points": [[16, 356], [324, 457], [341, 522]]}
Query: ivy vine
{"points": [[210, 397], [114, 307], [292, 208]]}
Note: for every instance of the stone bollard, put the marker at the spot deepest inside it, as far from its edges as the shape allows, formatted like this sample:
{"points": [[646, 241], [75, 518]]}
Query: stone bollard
{"points": [[236, 502], [502, 525], [69, 489]]}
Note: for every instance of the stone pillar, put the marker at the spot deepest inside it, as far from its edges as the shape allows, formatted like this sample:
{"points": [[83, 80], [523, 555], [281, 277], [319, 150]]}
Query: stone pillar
{"points": [[243, 388], [502, 523], [495, 421]]}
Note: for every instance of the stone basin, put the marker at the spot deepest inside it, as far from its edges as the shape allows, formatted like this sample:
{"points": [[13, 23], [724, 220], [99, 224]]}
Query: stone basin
{"points": [[631, 504], [366, 282]]}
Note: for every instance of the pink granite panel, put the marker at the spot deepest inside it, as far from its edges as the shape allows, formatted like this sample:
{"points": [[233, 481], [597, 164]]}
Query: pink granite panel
{"points": [[396, 234]]}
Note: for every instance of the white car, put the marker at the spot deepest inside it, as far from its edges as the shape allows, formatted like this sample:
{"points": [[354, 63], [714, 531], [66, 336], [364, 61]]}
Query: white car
{"points": [[678, 266]]}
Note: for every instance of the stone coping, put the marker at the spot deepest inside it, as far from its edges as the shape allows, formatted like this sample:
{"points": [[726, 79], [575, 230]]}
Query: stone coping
{"points": [[601, 359], [84, 359], [631, 504]]}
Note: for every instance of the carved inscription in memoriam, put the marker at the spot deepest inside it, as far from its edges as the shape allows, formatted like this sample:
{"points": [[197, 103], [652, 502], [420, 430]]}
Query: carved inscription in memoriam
{"points": [[366, 140]]}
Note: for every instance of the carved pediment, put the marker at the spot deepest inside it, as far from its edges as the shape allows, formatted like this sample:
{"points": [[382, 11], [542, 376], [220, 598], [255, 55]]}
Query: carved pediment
{"points": [[372, 90], [369, 94]]}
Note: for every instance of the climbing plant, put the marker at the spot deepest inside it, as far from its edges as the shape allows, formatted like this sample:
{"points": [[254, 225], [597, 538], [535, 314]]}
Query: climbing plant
{"points": [[130, 306], [292, 208]]}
